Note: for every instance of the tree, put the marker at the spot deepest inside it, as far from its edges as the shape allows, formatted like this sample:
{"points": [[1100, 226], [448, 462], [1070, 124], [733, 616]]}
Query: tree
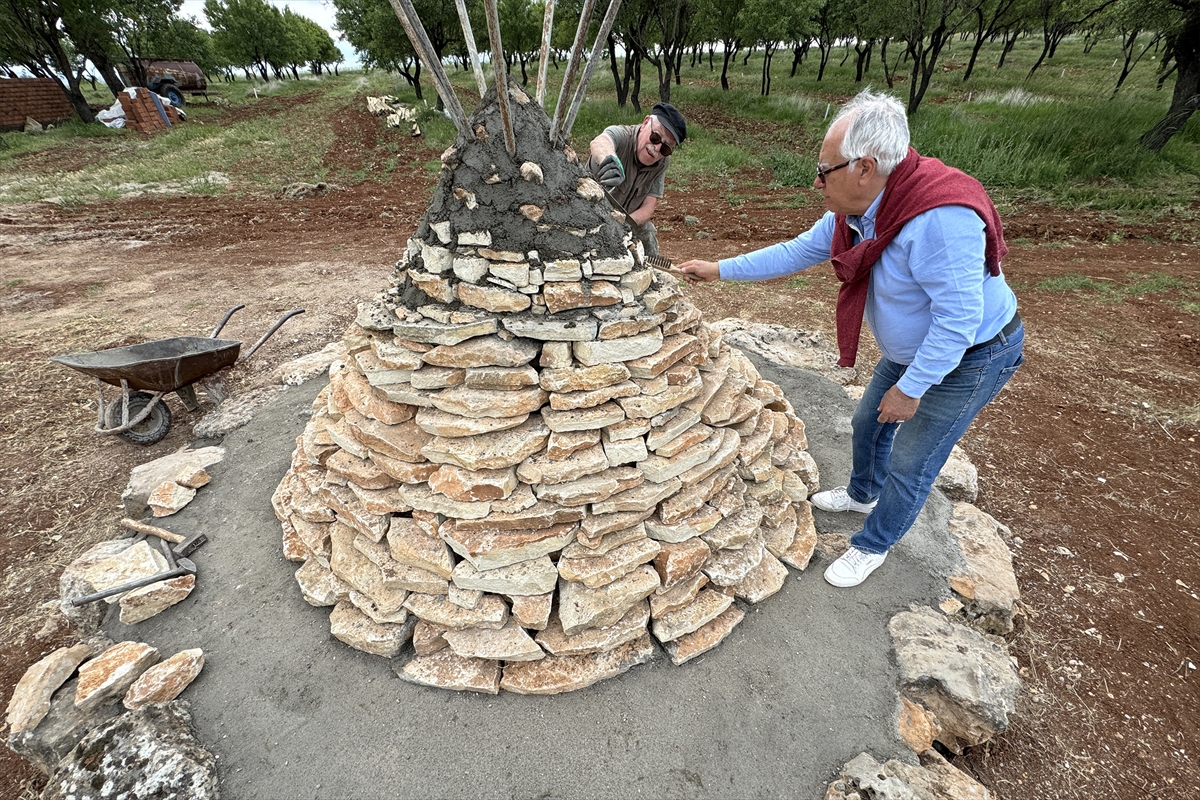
{"points": [[769, 24], [1183, 57], [31, 36], [249, 33], [931, 26], [1059, 18], [991, 17], [718, 20], [520, 31]]}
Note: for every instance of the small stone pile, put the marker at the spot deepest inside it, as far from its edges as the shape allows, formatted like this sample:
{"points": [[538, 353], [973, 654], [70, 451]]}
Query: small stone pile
{"points": [[536, 455]]}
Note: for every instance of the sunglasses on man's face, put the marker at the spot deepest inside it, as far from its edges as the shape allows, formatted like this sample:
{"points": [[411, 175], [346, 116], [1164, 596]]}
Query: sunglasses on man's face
{"points": [[664, 149]]}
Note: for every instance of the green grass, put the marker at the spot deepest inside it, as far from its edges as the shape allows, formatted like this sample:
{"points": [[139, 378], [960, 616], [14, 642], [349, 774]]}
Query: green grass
{"points": [[1140, 285], [1058, 137]]}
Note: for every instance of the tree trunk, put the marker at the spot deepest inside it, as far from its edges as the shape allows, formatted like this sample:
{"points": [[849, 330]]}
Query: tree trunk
{"points": [[622, 87], [1185, 100], [725, 70], [1010, 41]]}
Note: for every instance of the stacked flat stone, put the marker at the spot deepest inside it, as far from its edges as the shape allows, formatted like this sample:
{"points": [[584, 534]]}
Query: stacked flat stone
{"points": [[537, 458]]}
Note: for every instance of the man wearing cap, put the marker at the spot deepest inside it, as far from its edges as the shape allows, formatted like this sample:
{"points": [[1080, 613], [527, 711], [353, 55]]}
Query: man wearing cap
{"points": [[630, 162], [917, 246]]}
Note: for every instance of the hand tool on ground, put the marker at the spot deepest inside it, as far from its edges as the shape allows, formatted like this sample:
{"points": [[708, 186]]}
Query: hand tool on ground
{"points": [[184, 545], [184, 567]]}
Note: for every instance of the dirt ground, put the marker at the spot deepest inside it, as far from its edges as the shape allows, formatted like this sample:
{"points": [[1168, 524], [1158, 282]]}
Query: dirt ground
{"points": [[1090, 457]]}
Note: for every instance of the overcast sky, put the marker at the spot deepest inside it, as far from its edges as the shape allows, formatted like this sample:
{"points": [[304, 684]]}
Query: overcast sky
{"points": [[319, 11]]}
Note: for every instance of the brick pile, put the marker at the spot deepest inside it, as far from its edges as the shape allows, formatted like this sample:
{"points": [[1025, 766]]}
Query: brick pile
{"points": [[40, 99], [537, 458], [145, 111]]}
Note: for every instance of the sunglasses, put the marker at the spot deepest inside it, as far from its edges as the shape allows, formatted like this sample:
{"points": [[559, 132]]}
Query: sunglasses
{"points": [[821, 173], [664, 149]]}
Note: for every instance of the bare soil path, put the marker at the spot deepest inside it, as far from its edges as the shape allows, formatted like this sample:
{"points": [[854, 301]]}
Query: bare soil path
{"points": [[1091, 455]]}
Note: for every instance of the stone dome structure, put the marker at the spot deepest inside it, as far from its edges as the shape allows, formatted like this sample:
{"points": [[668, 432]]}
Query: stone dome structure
{"points": [[536, 459]]}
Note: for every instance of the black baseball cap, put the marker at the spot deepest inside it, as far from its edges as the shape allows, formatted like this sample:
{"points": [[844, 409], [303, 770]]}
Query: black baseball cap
{"points": [[670, 118]]}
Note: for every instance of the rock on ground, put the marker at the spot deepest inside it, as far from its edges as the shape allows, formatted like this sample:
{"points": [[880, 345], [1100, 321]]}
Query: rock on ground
{"points": [[151, 753]]}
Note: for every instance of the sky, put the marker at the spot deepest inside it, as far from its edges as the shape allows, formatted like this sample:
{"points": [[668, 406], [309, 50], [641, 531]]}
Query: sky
{"points": [[319, 11]]}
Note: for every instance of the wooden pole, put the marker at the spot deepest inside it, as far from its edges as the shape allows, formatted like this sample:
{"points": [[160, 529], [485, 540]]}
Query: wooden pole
{"points": [[420, 41], [601, 36], [572, 66], [465, 21], [500, 65], [544, 63]]}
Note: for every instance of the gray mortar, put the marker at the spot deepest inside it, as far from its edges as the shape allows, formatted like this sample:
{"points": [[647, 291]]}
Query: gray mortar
{"points": [[803, 685], [475, 160]]}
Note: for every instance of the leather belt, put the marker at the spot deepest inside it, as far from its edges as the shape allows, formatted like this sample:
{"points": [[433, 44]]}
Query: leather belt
{"points": [[1008, 330]]}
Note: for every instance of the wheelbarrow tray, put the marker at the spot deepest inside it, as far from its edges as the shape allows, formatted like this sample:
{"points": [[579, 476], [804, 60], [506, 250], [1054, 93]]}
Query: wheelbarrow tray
{"points": [[162, 366]]}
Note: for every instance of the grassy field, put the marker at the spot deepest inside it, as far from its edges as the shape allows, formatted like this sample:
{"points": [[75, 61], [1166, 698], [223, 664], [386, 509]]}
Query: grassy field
{"points": [[1060, 137]]}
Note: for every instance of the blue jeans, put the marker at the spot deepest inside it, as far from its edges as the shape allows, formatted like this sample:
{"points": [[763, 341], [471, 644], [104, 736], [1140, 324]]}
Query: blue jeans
{"points": [[897, 463]]}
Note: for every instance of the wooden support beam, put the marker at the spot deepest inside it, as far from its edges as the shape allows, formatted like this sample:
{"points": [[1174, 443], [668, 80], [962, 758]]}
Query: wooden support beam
{"points": [[544, 61], [572, 66], [500, 65], [420, 42], [601, 37], [465, 21]]}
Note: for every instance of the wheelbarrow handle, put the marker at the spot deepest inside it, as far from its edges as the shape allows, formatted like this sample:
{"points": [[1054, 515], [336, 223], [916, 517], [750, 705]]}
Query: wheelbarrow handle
{"points": [[228, 314], [274, 328]]}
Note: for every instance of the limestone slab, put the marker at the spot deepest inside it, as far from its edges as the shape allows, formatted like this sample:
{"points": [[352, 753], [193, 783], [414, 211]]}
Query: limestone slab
{"points": [[318, 585], [580, 608], [111, 673], [145, 602], [594, 548], [139, 560], [445, 669], [986, 582], [580, 329], [565, 401], [465, 401], [597, 571], [735, 530], [591, 489], [30, 699], [466, 485], [707, 606], [444, 334], [644, 497], [562, 445], [584, 419], [681, 595], [487, 351], [563, 296], [428, 377], [677, 561], [510, 643], [650, 406], [730, 567], [437, 609], [428, 638], [166, 680], [558, 674], [534, 517], [763, 581], [703, 520], [506, 378], [540, 468], [629, 627], [530, 577], [496, 450], [580, 379], [409, 544], [625, 451], [492, 298], [597, 525], [613, 350], [403, 441], [444, 424], [168, 498], [705, 638], [493, 549], [532, 611], [673, 349]]}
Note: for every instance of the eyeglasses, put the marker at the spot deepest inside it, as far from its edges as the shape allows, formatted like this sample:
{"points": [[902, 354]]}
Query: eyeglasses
{"points": [[822, 173], [664, 149]]}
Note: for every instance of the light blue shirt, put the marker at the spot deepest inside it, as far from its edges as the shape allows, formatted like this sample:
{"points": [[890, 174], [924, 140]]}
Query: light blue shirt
{"points": [[929, 296]]}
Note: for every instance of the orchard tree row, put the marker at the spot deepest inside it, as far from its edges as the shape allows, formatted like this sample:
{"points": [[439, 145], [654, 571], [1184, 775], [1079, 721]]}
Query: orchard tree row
{"points": [[65, 39], [894, 36]]}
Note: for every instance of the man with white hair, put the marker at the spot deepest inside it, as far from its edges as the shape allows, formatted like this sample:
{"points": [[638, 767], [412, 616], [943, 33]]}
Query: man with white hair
{"points": [[917, 246]]}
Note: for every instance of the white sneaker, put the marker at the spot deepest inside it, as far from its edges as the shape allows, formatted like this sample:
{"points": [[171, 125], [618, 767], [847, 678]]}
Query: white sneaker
{"points": [[840, 500], [853, 568]]}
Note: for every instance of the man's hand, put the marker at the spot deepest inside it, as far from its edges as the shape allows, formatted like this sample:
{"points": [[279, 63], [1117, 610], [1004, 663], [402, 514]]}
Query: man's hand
{"points": [[610, 173], [697, 271], [896, 406]]}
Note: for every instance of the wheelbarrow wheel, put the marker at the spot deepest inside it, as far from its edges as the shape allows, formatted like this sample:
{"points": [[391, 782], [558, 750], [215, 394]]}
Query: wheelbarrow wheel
{"points": [[150, 430]]}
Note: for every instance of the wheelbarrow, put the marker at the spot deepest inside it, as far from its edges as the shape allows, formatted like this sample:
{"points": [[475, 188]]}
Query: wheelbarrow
{"points": [[146, 372]]}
